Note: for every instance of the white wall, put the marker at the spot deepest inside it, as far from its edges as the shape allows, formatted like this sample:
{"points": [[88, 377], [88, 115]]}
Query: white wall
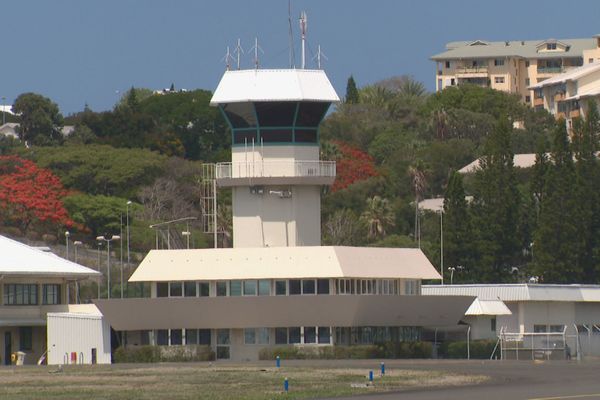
{"points": [[80, 333]]}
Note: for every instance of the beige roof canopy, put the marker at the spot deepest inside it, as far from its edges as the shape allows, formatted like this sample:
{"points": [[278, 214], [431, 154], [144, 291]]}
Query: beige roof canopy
{"points": [[282, 311], [284, 263]]}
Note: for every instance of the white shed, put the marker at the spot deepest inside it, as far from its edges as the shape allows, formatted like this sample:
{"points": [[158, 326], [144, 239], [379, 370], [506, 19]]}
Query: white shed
{"points": [[77, 338]]}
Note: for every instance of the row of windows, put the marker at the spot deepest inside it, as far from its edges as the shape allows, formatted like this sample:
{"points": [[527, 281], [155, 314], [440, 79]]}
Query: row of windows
{"points": [[278, 135], [174, 337], [376, 334], [27, 294], [275, 114], [288, 287], [303, 335]]}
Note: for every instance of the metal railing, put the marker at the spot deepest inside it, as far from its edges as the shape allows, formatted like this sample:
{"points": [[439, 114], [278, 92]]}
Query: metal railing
{"points": [[266, 169], [550, 70], [472, 70]]}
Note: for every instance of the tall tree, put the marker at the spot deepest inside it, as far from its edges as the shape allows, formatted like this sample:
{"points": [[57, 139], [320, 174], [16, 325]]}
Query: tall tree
{"points": [[496, 208], [556, 237], [378, 216], [458, 229], [40, 119], [351, 91]]}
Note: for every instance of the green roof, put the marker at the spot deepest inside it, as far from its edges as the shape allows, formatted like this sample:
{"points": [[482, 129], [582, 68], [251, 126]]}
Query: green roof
{"points": [[524, 49]]}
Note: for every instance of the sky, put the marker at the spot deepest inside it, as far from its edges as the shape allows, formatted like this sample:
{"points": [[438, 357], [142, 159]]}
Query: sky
{"points": [[79, 52]]}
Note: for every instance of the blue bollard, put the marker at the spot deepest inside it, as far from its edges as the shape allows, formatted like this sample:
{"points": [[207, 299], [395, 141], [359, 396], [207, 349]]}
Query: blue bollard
{"points": [[382, 368], [370, 376], [286, 385], [278, 362]]}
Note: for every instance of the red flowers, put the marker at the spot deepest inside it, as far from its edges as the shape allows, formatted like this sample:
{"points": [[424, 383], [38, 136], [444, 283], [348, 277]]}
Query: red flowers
{"points": [[352, 165], [30, 194]]}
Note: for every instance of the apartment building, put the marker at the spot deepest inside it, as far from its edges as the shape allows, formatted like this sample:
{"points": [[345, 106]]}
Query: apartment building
{"points": [[512, 66]]}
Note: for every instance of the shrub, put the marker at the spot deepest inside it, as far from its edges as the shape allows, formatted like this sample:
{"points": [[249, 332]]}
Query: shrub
{"points": [[151, 354], [479, 349], [384, 350]]}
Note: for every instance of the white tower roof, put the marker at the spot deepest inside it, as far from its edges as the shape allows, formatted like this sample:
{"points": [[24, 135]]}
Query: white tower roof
{"points": [[274, 85]]}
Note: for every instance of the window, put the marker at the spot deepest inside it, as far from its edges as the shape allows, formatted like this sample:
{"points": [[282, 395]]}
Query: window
{"points": [[162, 337], [311, 113], [322, 286], [275, 113], [447, 64], [204, 336], [25, 338], [591, 60], [191, 336], [410, 287], [308, 286], [262, 336], [556, 328], [499, 79], [250, 288], [539, 328], [223, 336], [527, 64], [176, 336], [324, 334], [310, 334], [294, 335], [281, 336], [189, 289], [17, 294], [294, 286], [51, 294], [162, 289], [527, 81], [305, 136], [175, 289], [204, 289], [280, 288], [221, 288], [249, 336], [493, 324], [264, 287], [235, 288], [550, 46], [452, 82], [498, 62], [527, 99]]}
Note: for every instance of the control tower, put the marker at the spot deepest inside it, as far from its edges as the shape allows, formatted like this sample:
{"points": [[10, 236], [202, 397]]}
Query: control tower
{"points": [[275, 171]]}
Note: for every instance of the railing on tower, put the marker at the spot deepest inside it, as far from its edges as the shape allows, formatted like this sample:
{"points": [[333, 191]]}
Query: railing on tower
{"points": [[208, 200], [265, 169]]}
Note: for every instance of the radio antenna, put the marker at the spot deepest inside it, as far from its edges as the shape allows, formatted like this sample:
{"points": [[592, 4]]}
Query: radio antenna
{"points": [[227, 59], [318, 56], [238, 51], [303, 23], [256, 49], [291, 35]]}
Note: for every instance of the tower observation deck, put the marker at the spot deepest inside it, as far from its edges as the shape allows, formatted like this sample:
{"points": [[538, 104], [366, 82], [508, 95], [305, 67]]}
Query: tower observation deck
{"points": [[275, 171]]}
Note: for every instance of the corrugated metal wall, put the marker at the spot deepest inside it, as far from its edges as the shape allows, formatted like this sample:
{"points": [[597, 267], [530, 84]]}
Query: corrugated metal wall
{"points": [[79, 333]]}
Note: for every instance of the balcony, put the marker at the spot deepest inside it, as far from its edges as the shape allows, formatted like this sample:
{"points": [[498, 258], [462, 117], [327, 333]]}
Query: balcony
{"points": [[275, 173], [550, 70], [472, 72]]}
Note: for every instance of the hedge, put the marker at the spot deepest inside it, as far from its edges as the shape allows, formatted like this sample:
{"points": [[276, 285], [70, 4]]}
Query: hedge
{"points": [[384, 350], [152, 354], [479, 349]]}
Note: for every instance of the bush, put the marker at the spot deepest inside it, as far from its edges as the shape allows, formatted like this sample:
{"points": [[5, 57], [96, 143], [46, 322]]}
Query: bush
{"points": [[479, 349], [384, 350], [152, 354]]}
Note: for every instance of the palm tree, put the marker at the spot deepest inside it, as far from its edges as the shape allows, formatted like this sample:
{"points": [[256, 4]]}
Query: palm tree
{"points": [[378, 216], [417, 172]]}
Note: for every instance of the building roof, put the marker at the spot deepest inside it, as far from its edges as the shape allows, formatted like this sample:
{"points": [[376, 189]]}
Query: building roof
{"points": [[519, 161], [519, 292], [22, 260], [284, 263], [437, 204], [523, 49], [274, 85], [571, 75], [488, 307]]}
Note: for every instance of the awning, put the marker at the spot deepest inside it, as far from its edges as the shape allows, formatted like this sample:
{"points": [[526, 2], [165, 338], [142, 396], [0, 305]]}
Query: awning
{"points": [[283, 311], [488, 307]]}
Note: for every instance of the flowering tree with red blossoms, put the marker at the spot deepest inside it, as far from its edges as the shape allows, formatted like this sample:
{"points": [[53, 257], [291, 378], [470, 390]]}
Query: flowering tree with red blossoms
{"points": [[30, 195], [352, 165]]}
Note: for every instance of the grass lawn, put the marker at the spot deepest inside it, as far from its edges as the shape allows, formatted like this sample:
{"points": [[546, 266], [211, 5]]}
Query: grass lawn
{"points": [[207, 381]]}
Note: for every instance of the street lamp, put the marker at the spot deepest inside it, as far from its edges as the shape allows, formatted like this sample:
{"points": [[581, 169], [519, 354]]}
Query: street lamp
{"points": [[128, 258], [452, 269], [99, 244], [75, 244], [67, 234], [108, 240]]}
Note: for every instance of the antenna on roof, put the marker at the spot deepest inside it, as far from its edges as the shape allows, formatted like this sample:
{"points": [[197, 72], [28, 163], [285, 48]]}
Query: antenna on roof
{"points": [[238, 50], [318, 57], [291, 34], [256, 48], [303, 25], [227, 58]]}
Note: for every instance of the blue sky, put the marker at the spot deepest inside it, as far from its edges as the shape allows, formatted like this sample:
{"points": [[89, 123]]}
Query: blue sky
{"points": [[78, 52]]}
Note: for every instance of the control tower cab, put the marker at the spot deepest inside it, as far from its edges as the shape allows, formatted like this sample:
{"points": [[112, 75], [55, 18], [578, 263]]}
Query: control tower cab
{"points": [[275, 171]]}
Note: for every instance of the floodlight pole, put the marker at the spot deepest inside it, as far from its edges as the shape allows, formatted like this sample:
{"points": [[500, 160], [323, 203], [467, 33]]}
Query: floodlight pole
{"points": [[107, 240]]}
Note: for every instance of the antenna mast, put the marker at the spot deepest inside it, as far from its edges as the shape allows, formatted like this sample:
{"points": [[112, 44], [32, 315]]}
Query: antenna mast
{"points": [[303, 22], [227, 58], [256, 49], [291, 34], [318, 57], [238, 51]]}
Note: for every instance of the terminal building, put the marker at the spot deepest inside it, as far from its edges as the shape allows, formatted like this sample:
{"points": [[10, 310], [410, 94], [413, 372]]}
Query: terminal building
{"points": [[278, 285]]}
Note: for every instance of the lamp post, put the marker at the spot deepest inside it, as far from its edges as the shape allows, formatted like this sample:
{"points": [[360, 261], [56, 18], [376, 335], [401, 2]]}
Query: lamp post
{"points": [[187, 235], [452, 269], [75, 244], [108, 240], [99, 244], [127, 232], [67, 234], [441, 211]]}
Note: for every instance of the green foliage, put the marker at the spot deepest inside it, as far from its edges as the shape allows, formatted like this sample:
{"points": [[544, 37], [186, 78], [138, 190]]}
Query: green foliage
{"points": [[343, 228], [100, 214], [154, 354], [382, 350], [101, 169], [479, 349], [378, 216], [40, 119], [351, 91]]}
